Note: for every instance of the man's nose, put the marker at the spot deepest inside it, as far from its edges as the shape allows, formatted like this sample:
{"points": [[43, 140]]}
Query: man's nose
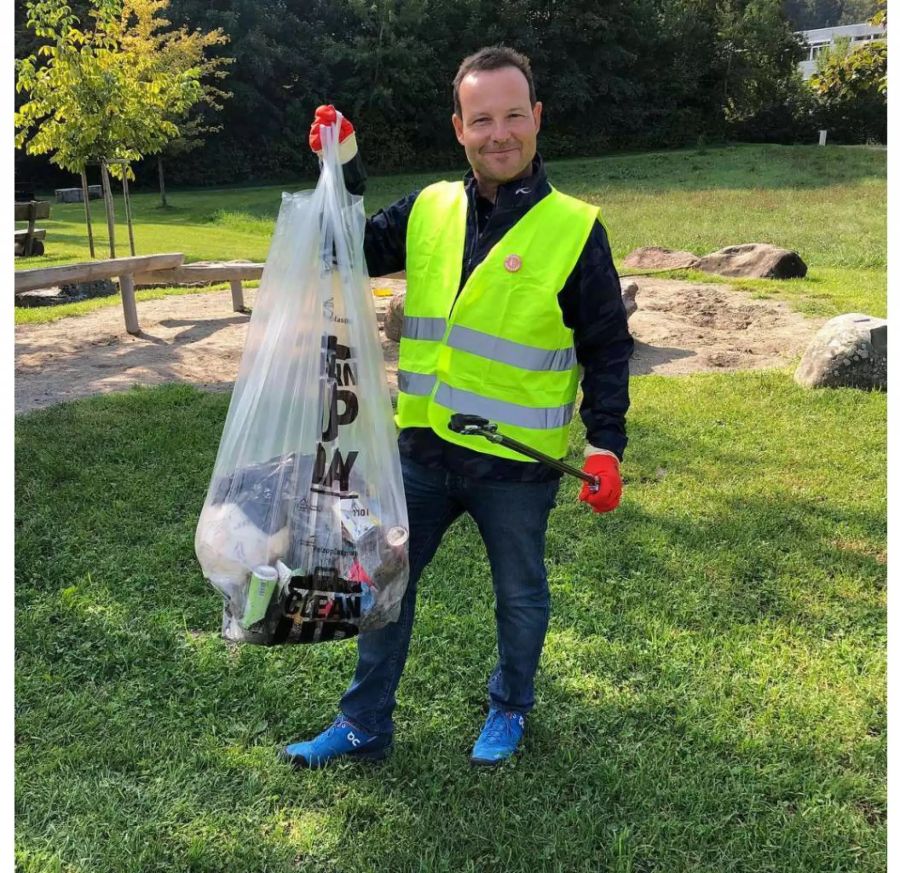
{"points": [[501, 130]]}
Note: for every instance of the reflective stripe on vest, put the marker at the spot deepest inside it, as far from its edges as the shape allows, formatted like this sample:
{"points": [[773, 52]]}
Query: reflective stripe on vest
{"points": [[415, 383], [424, 328], [503, 411], [498, 347], [508, 352]]}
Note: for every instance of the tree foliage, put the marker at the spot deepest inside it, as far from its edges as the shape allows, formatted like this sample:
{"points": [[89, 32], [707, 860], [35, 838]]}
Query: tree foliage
{"points": [[647, 73], [851, 87], [113, 90], [179, 50], [812, 14], [768, 100]]}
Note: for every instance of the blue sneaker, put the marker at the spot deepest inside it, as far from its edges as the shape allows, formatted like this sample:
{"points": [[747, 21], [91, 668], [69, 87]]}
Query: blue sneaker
{"points": [[341, 739], [499, 739]]}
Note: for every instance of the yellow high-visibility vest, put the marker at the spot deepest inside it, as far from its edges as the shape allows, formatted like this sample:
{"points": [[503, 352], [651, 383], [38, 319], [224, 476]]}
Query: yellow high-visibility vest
{"points": [[500, 349]]}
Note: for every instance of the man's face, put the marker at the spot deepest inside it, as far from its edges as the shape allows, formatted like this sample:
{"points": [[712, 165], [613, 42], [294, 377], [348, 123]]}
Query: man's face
{"points": [[499, 127]]}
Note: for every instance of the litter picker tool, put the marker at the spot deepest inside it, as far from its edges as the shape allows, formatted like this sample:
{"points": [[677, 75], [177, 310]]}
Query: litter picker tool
{"points": [[475, 425]]}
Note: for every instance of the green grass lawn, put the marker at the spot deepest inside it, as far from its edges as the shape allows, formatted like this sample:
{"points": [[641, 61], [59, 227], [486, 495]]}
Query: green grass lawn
{"points": [[829, 204], [713, 687]]}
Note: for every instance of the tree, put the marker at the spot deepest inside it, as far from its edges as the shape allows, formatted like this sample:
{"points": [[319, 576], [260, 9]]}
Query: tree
{"points": [[811, 14], [851, 87], [764, 95], [175, 51], [94, 96], [643, 74], [280, 73], [684, 74]]}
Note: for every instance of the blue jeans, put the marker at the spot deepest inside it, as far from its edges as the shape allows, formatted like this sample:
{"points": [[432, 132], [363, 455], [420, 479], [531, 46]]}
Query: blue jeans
{"points": [[512, 519]]}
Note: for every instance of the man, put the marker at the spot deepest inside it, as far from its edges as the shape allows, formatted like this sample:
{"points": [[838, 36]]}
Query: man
{"points": [[510, 287]]}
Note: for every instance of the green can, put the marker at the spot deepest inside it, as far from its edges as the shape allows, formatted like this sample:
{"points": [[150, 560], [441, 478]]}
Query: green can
{"points": [[259, 593]]}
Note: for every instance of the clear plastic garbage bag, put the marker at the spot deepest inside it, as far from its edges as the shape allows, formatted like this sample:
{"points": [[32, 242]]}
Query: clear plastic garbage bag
{"points": [[304, 529]]}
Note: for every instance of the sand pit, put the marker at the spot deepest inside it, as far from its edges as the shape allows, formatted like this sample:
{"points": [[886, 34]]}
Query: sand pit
{"points": [[679, 328]]}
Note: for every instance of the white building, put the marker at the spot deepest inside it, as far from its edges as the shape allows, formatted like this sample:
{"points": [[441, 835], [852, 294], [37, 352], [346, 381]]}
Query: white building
{"points": [[823, 37]]}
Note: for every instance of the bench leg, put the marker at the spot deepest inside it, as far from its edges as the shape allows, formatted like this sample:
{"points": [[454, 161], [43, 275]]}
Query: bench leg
{"points": [[29, 240], [129, 305], [237, 295]]}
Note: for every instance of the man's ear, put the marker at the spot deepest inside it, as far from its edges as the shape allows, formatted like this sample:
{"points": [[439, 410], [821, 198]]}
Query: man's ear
{"points": [[536, 111], [458, 127]]}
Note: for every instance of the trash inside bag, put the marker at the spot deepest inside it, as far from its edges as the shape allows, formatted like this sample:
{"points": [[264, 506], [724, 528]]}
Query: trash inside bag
{"points": [[304, 529]]}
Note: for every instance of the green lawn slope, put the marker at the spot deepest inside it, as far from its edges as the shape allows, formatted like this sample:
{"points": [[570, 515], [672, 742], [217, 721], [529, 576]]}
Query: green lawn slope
{"points": [[829, 204]]}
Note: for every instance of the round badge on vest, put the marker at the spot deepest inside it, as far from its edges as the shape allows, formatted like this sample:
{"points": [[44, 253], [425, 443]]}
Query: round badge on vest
{"points": [[513, 263]]}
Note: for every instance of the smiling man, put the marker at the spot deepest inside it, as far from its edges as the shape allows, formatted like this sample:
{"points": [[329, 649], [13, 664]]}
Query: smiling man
{"points": [[511, 292]]}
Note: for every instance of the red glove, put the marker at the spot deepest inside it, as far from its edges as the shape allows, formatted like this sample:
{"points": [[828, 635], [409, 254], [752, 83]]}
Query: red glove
{"points": [[606, 497], [326, 116]]}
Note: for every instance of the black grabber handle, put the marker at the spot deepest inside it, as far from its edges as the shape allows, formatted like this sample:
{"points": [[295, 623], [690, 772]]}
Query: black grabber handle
{"points": [[475, 425]]}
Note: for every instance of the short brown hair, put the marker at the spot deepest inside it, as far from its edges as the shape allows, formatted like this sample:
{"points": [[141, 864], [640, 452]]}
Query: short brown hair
{"points": [[493, 57]]}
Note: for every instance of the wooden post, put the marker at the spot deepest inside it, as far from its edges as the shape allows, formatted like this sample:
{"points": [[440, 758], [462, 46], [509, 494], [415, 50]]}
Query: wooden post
{"points": [[237, 296], [127, 206], [87, 211], [110, 208], [29, 240], [162, 180], [129, 305]]}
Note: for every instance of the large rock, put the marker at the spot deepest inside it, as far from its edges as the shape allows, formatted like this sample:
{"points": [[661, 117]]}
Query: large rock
{"points": [[754, 261], [656, 258], [850, 351], [393, 316]]}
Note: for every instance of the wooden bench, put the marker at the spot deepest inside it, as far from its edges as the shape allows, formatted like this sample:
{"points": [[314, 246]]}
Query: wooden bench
{"points": [[30, 242], [36, 234], [124, 269], [233, 272]]}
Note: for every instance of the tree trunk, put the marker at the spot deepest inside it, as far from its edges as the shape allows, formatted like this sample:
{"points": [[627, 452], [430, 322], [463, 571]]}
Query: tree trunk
{"points": [[110, 208], [127, 207], [162, 180], [87, 212]]}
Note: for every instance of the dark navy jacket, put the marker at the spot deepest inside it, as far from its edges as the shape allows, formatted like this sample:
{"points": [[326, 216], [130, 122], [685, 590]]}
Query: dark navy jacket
{"points": [[590, 303]]}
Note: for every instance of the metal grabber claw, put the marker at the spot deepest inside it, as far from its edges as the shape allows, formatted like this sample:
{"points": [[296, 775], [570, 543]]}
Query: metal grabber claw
{"points": [[475, 425]]}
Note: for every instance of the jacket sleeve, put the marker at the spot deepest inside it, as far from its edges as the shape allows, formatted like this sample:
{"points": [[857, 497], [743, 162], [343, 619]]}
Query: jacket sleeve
{"points": [[591, 303], [385, 238]]}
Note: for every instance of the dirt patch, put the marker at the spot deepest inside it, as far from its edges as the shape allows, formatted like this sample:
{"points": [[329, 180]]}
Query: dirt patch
{"points": [[679, 328], [683, 327]]}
